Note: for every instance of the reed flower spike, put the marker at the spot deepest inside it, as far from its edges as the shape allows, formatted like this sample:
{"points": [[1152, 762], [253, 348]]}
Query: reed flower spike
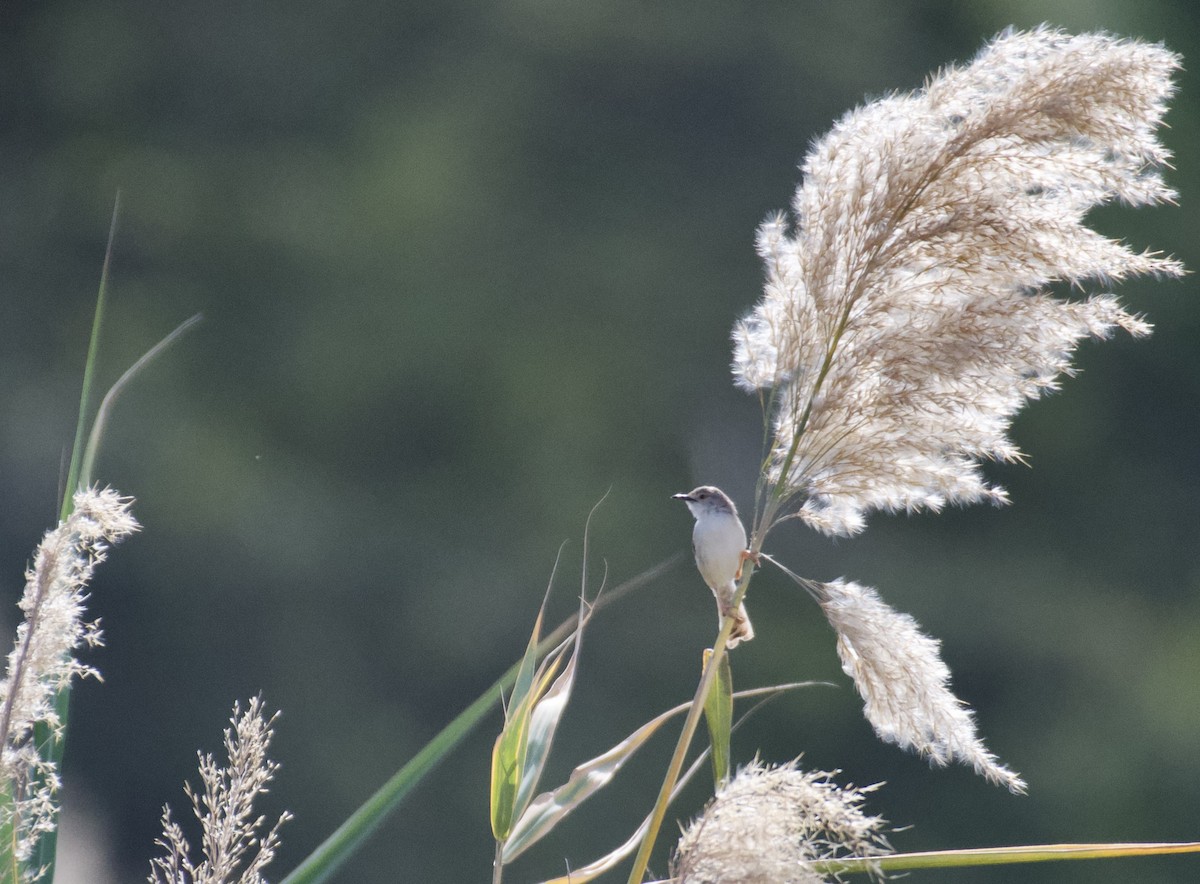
{"points": [[770, 825], [906, 316], [43, 660], [235, 843]]}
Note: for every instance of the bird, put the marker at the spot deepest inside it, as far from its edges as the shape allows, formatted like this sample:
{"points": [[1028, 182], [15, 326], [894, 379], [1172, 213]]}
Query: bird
{"points": [[719, 542]]}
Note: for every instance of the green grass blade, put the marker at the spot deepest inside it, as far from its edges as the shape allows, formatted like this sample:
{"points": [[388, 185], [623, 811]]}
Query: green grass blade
{"points": [[51, 745], [349, 836], [552, 705], [509, 754], [509, 750], [543, 724], [89, 368], [80, 474], [87, 467], [718, 714], [527, 673], [996, 856]]}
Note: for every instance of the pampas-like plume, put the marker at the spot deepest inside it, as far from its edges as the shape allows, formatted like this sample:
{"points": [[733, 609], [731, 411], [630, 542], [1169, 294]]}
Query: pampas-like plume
{"points": [[770, 824], [904, 683], [907, 315], [42, 661], [225, 810], [906, 318]]}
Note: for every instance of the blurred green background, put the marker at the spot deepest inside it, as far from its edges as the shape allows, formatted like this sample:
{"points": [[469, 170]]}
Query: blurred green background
{"points": [[465, 266]]}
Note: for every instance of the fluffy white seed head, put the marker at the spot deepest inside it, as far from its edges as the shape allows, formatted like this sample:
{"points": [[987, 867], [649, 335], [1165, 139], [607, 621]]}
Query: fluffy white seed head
{"points": [[906, 317], [43, 660], [769, 825], [904, 683]]}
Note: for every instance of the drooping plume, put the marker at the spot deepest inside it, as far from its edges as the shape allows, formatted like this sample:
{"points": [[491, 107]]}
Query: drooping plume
{"points": [[906, 315], [905, 686]]}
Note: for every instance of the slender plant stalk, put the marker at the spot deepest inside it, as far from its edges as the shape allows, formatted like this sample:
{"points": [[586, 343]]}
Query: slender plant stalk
{"points": [[690, 724]]}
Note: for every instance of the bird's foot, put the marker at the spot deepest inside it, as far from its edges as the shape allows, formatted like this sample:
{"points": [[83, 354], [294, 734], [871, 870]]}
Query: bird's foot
{"points": [[746, 556]]}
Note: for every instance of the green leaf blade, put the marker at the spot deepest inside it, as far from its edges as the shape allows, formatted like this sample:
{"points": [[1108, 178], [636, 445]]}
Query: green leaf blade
{"points": [[996, 856], [718, 715], [544, 721]]}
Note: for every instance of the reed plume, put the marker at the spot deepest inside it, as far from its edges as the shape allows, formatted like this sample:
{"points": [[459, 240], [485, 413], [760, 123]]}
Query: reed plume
{"points": [[43, 662], [769, 825], [909, 313], [234, 851]]}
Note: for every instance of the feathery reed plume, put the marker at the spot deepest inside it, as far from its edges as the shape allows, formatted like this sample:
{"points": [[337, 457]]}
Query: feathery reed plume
{"points": [[225, 810], [904, 683], [770, 824], [906, 318], [42, 661]]}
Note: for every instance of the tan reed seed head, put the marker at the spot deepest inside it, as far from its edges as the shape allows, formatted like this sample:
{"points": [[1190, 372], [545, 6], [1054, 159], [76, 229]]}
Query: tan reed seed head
{"points": [[768, 825], [906, 317], [905, 685], [235, 843], [43, 660]]}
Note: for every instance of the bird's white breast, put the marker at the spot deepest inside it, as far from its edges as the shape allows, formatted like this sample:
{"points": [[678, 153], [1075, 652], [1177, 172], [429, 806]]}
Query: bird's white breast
{"points": [[718, 539]]}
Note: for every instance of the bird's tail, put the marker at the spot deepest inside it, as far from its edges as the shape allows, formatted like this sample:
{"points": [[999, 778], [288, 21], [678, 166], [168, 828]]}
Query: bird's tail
{"points": [[742, 630]]}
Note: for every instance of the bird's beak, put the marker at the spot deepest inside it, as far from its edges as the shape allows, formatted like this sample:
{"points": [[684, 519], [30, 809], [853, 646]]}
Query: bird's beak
{"points": [[681, 496]]}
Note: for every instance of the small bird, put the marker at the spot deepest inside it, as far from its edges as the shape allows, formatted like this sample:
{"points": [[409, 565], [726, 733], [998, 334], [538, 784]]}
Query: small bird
{"points": [[719, 541]]}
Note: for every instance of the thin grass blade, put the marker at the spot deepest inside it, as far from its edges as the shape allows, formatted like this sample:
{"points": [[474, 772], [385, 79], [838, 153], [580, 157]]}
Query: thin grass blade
{"points": [[995, 856], [87, 467], [718, 714], [71, 484], [544, 721], [512, 743], [508, 752], [10, 869]]}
